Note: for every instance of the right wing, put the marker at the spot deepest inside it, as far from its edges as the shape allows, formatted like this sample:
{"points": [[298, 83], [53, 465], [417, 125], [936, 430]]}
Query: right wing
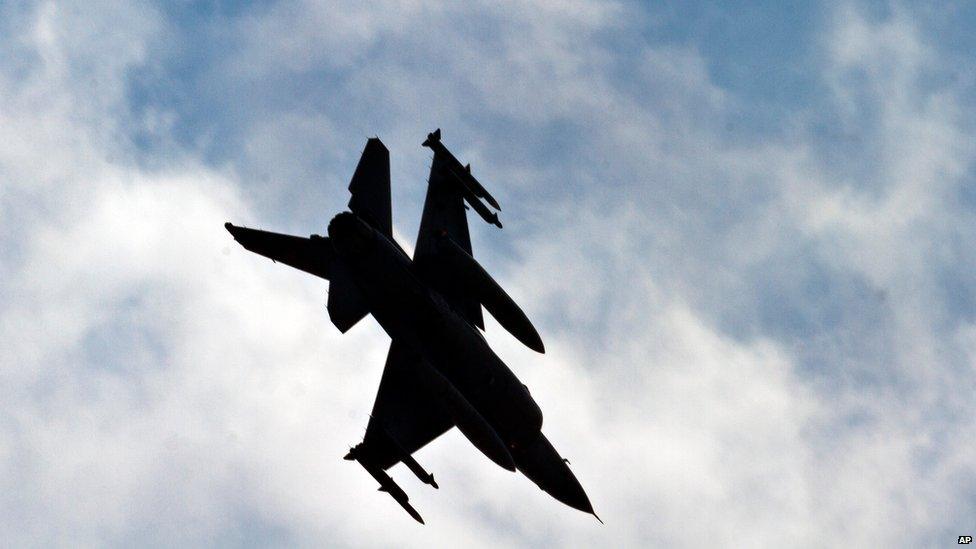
{"points": [[405, 415], [312, 255], [444, 214]]}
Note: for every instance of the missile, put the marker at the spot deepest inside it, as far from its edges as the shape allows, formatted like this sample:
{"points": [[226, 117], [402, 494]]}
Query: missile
{"points": [[312, 255], [477, 204], [461, 172], [409, 461], [481, 191], [464, 173], [388, 485]]}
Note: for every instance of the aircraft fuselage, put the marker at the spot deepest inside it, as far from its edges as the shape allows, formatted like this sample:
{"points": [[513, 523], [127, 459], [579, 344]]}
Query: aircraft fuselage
{"points": [[415, 314]]}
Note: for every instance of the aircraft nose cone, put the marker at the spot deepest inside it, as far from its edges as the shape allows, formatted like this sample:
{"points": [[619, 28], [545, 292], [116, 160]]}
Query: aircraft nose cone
{"points": [[570, 492], [539, 461]]}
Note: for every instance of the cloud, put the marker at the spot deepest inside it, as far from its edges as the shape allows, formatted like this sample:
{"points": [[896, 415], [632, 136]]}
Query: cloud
{"points": [[756, 336]]}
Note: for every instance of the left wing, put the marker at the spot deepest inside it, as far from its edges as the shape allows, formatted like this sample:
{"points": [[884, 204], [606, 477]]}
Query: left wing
{"points": [[405, 418], [313, 255], [405, 415]]}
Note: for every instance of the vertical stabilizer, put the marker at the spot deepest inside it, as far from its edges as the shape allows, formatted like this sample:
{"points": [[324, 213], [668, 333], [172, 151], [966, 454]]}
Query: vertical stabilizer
{"points": [[370, 187]]}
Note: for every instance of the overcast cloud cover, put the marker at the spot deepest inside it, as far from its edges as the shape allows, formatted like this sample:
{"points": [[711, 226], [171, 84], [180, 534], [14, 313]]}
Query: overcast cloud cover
{"points": [[745, 235]]}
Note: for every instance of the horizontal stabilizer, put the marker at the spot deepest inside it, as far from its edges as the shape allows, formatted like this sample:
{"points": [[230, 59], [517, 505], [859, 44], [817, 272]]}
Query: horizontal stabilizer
{"points": [[388, 485], [314, 255], [346, 304]]}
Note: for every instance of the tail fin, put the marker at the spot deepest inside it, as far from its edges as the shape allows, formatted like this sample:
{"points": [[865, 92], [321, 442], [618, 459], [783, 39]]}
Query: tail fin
{"points": [[370, 187], [346, 303]]}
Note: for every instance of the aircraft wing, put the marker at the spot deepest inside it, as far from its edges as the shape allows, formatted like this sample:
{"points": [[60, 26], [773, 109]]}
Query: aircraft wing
{"points": [[312, 255], [405, 415], [444, 213]]}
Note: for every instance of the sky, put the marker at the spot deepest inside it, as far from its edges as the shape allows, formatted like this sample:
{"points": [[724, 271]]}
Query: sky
{"points": [[741, 232]]}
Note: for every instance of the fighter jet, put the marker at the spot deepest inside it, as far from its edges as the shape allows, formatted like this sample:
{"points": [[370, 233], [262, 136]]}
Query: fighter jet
{"points": [[440, 372]]}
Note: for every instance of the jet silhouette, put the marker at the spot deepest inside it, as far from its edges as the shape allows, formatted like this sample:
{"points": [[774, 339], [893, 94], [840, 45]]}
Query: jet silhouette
{"points": [[440, 372]]}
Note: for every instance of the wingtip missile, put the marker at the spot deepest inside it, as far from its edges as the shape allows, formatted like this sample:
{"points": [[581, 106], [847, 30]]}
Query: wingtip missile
{"points": [[461, 172], [479, 189], [432, 138], [413, 513], [491, 200], [405, 504], [401, 498], [409, 460], [387, 483], [471, 197]]}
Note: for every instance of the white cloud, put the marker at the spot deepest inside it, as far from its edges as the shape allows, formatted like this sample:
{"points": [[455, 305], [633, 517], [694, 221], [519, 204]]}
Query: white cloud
{"points": [[166, 387]]}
